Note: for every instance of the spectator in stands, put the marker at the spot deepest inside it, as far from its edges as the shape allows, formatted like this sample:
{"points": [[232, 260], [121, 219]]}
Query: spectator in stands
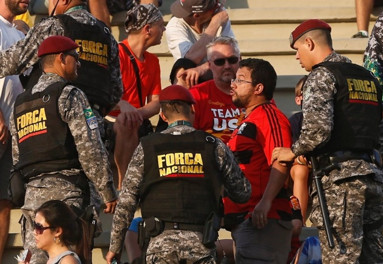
{"points": [[300, 169], [194, 24], [261, 228], [215, 111], [102, 9], [10, 87], [140, 72], [363, 9], [58, 231]]}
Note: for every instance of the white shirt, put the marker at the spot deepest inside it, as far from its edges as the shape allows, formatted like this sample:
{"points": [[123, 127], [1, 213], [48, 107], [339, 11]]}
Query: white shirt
{"points": [[10, 86], [181, 37]]}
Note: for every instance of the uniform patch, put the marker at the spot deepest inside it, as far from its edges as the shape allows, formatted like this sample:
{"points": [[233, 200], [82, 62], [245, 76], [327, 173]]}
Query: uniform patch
{"points": [[91, 119], [248, 130]]}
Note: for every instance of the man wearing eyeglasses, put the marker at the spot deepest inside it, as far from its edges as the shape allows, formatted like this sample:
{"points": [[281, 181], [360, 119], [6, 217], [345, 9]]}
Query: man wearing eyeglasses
{"points": [[194, 24], [56, 144], [261, 228], [215, 111]]}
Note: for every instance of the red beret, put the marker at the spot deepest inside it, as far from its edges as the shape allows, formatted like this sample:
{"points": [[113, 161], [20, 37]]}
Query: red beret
{"points": [[176, 93], [305, 27], [56, 44]]}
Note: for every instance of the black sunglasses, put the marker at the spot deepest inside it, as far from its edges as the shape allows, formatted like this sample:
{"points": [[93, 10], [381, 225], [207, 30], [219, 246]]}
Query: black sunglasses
{"points": [[39, 228], [74, 54], [230, 60]]}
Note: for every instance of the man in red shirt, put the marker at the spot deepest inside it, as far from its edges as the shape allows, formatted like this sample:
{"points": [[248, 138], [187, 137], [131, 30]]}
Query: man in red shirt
{"points": [[145, 26], [262, 227], [215, 111]]}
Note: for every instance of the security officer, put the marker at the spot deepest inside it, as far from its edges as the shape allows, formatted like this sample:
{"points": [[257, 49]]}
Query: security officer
{"points": [[56, 144], [99, 77], [341, 113], [176, 176]]}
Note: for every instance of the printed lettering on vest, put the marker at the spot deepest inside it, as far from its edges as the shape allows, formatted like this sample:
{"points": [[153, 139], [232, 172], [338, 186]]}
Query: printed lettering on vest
{"points": [[31, 124], [179, 164], [93, 51], [362, 91]]}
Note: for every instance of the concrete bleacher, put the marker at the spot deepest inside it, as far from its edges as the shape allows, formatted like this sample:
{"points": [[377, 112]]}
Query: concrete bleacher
{"points": [[262, 28]]}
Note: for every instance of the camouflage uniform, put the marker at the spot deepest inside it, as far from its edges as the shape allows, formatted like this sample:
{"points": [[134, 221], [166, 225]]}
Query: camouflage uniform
{"points": [[173, 245], [19, 57], [72, 104], [354, 192], [373, 60]]}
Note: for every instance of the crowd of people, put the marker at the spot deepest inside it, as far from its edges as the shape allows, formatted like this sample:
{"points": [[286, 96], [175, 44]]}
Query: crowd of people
{"points": [[223, 155]]}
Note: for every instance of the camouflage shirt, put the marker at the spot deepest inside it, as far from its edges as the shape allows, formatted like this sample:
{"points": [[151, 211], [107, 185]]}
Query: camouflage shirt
{"points": [[373, 56], [23, 54], [235, 184], [72, 105], [318, 121]]}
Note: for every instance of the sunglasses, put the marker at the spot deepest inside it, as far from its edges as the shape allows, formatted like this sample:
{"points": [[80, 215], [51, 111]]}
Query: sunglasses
{"points": [[75, 55], [39, 228], [230, 60]]}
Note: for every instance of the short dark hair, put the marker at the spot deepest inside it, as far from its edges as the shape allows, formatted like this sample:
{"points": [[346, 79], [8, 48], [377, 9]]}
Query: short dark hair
{"points": [[261, 72]]}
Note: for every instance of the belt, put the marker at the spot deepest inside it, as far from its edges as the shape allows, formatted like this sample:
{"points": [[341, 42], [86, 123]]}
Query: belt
{"points": [[182, 226], [341, 156]]}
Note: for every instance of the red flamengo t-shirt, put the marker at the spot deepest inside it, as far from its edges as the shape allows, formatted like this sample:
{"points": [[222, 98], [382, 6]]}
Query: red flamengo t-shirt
{"points": [[265, 128]]}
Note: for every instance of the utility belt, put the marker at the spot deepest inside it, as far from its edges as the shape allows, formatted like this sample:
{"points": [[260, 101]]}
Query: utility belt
{"points": [[328, 160], [152, 227]]}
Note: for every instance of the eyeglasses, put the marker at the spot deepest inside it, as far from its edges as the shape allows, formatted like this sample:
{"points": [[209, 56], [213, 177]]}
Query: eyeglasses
{"points": [[75, 55], [230, 60], [239, 81], [39, 228]]}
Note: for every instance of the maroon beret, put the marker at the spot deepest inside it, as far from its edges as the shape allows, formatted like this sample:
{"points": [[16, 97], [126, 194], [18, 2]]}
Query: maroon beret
{"points": [[176, 93], [305, 27], [56, 44]]}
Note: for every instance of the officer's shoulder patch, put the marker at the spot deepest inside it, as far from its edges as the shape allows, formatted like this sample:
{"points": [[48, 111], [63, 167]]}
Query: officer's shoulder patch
{"points": [[90, 118], [247, 129]]}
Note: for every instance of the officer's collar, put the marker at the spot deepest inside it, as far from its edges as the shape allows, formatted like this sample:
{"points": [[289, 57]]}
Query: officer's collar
{"points": [[179, 123], [75, 8]]}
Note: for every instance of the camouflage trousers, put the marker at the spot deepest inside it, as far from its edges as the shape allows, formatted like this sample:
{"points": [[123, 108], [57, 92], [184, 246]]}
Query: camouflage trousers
{"points": [[179, 246], [39, 191], [356, 213]]}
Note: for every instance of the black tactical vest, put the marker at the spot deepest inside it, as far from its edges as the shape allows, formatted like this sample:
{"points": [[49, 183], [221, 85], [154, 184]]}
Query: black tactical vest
{"points": [[357, 108], [44, 140], [93, 75], [181, 180]]}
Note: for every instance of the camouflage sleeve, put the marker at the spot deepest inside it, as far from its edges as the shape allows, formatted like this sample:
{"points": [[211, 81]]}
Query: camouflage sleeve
{"points": [[15, 148], [115, 73], [318, 111], [23, 54], [373, 56], [76, 111], [127, 204], [236, 185]]}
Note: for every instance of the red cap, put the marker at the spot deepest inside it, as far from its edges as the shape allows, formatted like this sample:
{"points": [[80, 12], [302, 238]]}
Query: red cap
{"points": [[176, 93], [56, 44], [305, 27]]}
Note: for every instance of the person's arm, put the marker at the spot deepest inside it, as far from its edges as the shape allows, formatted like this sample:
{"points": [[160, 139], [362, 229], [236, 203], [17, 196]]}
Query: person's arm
{"points": [[115, 73], [100, 10], [23, 54], [373, 56], [151, 108], [236, 185], [276, 181], [197, 52], [76, 111], [15, 146], [127, 204]]}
